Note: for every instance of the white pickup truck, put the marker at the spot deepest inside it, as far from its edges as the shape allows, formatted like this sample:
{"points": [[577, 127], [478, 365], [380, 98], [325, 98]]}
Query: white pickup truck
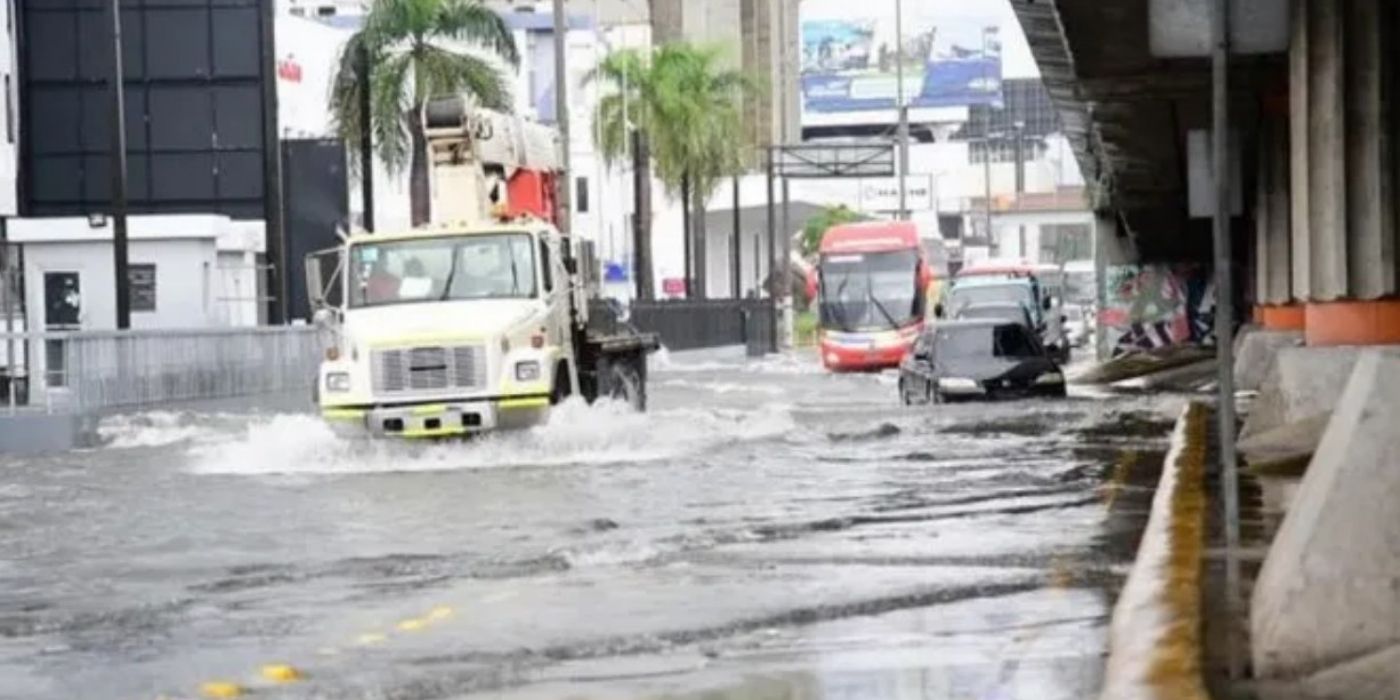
{"points": [[452, 330]]}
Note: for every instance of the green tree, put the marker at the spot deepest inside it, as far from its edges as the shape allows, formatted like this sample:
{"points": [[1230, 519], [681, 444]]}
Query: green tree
{"points": [[413, 48], [825, 220], [688, 106]]}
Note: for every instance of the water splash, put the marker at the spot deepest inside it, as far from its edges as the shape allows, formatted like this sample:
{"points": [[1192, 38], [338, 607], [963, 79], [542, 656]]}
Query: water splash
{"points": [[576, 433]]}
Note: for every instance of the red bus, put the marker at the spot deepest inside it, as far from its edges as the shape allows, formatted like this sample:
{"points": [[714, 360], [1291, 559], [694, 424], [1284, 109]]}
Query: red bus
{"points": [[873, 284]]}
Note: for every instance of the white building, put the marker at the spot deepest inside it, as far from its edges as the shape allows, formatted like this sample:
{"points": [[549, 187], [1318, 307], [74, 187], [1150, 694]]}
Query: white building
{"points": [[186, 271]]}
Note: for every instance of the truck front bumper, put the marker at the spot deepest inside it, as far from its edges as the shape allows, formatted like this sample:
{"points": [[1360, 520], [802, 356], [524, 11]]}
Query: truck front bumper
{"points": [[442, 419]]}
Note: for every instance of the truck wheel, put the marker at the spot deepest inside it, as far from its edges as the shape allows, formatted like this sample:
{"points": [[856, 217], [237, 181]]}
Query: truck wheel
{"points": [[561, 388], [625, 384]]}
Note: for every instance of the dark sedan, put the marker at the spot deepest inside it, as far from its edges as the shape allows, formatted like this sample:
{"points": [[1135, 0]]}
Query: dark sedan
{"points": [[978, 359]]}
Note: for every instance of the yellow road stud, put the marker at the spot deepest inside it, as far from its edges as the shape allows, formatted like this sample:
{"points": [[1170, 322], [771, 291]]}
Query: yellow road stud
{"points": [[441, 612], [280, 673], [220, 689], [412, 625]]}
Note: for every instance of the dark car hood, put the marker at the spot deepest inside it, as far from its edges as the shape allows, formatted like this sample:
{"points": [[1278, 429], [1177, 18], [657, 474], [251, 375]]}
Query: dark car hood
{"points": [[986, 368]]}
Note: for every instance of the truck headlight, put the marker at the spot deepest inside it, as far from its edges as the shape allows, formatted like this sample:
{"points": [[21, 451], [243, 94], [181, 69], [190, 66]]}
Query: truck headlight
{"points": [[338, 382], [1050, 378], [527, 371], [958, 384]]}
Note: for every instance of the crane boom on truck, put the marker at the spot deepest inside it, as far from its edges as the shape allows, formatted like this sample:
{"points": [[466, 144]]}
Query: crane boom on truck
{"points": [[481, 321]]}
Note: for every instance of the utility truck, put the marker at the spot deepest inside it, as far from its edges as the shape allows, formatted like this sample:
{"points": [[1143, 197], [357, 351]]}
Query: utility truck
{"points": [[481, 322]]}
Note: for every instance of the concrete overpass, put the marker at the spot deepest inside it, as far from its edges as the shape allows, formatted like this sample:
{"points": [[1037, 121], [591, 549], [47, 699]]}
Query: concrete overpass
{"points": [[1316, 235], [1316, 255]]}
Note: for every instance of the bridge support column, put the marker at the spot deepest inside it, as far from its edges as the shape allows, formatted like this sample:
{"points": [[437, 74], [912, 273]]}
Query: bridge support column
{"points": [[1273, 259], [1344, 261]]}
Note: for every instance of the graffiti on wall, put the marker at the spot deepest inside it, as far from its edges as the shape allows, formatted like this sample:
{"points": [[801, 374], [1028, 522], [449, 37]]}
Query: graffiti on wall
{"points": [[1154, 306]]}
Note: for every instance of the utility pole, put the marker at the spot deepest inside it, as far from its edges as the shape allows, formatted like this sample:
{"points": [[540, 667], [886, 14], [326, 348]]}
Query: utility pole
{"points": [[1224, 318], [561, 115], [118, 165], [903, 133], [366, 141]]}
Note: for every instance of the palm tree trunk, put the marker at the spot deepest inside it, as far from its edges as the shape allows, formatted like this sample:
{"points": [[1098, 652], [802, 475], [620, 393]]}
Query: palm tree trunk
{"points": [[685, 235], [697, 216], [419, 198], [641, 227]]}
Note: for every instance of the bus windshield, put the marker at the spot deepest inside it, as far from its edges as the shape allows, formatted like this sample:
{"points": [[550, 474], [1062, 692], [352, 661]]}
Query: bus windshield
{"points": [[870, 291], [442, 269]]}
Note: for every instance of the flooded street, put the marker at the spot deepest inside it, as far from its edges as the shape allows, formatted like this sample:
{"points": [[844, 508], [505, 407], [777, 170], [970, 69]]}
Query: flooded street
{"points": [[766, 531]]}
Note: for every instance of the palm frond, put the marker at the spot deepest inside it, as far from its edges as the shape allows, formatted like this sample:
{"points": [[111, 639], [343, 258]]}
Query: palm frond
{"points": [[443, 73], [471, 21]]}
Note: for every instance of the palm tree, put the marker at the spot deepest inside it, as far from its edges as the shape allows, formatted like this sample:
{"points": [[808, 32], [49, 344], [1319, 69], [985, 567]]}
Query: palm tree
{"points": [[688, 107], [403, 42]]}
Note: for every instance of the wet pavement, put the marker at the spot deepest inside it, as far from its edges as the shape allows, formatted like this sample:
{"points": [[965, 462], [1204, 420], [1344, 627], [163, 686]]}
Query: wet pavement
{"points": [[766, 531]]}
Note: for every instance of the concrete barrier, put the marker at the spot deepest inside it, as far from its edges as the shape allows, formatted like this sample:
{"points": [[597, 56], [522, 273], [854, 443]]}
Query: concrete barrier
{"points": [[1329, 591], [1304, 383], [1255, 353]]}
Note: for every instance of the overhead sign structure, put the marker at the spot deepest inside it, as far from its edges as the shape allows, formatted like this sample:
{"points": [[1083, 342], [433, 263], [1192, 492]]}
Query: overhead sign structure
{"points": [[823, 160]]}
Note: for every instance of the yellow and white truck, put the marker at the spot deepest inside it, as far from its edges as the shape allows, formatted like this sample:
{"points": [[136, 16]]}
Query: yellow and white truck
{"points": [[466, 327]]}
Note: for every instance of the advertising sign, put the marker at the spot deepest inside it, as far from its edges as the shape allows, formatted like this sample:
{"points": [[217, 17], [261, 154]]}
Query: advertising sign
{"points": [[851, 55]]}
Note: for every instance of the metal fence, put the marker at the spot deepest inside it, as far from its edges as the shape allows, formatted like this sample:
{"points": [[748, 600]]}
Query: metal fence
{"points": [[95, 371], [687, 325]]}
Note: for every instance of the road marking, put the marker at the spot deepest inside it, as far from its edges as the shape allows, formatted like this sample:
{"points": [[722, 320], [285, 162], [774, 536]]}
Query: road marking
{"points": [[220, 689], [412, 624], [441, 612], [281, 673], [370, 639]]}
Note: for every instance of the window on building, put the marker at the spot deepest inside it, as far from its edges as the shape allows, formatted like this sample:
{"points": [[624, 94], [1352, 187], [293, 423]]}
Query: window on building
{"points": [[581, 195], [298, 11], [141, 283], [325, 10]]}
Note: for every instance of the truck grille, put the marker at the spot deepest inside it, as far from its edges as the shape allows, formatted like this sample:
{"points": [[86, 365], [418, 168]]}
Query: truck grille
{"points": [[433, 368]]}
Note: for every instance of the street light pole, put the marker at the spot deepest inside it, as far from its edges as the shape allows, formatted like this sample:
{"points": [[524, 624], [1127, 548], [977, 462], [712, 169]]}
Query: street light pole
{"points": [[561, 113], [1224, 317], [903, 133], [118, 166]]}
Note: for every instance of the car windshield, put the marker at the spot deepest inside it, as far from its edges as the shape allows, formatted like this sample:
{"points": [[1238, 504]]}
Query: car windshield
{"points": [[440, 269], [965, 296], [1009, 312], [961, 342], [870, 291]]}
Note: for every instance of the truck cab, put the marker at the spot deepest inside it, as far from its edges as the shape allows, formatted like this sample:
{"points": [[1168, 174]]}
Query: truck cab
{"points": [[452, 330]]}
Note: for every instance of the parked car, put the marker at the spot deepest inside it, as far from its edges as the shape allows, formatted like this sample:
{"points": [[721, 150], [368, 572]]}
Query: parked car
{"points": [[998, 311], [978, 359]]}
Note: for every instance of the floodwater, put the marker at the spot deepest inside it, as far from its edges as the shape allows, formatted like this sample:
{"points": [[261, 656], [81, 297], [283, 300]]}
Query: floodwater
{"points": [[766, 531]]}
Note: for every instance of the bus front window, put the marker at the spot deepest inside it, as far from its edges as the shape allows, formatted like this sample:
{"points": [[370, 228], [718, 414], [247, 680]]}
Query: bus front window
{"points": [[870, 291]]}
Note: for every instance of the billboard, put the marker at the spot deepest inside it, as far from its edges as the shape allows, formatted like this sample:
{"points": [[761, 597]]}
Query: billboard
{"points": [[851, 56]]}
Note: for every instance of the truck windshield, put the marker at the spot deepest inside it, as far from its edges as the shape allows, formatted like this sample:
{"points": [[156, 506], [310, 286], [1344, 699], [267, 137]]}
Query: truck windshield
{"points": [[870, 291], [442, 269]]}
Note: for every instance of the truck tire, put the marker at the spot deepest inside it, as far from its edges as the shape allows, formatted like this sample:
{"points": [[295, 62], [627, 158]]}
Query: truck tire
{"points": [[625, 384], [561, 388]]}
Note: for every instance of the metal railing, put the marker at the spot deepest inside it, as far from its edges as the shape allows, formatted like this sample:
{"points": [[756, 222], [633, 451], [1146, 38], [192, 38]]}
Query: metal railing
{"points": [[95, 371], [686, 325]]}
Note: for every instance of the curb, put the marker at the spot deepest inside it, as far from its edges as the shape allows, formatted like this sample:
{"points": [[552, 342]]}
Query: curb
{"points": [[1155, 645]]}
